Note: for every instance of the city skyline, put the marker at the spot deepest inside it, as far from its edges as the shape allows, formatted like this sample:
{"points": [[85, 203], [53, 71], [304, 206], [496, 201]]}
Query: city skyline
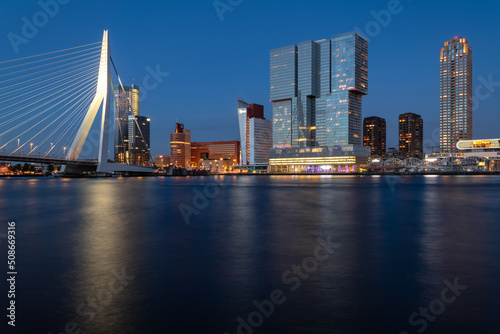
{"points": [[137, 57]]}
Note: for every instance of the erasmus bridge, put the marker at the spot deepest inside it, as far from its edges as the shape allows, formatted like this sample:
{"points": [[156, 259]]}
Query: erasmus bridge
{"points": [[50, 102]]}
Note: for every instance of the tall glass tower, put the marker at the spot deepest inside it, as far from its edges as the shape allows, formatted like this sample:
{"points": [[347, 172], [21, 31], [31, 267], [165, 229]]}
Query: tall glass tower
{"points": [[255, 133], [139, 140], [317, 89], [126, 104], [456, 94]]}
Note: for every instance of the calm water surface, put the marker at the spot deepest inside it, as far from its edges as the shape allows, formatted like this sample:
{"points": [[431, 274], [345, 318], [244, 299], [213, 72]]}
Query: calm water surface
{"points": [[152, 255]]}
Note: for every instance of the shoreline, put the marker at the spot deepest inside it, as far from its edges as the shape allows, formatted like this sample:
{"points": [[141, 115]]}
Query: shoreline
{"points": [[281, 174]]}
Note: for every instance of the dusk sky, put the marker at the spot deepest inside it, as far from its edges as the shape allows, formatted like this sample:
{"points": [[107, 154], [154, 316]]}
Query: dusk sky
{"points": [[211, 61]]}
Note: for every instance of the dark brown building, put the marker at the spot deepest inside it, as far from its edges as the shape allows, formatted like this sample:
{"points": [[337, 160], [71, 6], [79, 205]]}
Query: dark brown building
{"points": [[411, 136], [255, 111], [374, 135]]}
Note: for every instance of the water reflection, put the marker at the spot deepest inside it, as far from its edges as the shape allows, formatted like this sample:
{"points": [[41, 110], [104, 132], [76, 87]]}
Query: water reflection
{"points": [[398, 242]]}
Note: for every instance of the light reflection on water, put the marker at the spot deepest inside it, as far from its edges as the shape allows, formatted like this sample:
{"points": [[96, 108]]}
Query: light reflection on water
{"points": [[400, 238]]}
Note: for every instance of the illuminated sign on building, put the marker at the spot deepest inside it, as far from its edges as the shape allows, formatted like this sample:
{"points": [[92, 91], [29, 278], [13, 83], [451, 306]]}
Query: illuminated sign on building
{"points": [[479, 144]]}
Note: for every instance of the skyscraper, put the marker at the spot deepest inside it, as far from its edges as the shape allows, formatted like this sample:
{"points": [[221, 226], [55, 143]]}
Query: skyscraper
{"points": [[180, 146], [374, 135], [456, 94], [126, 104], [316, 90], [260, 137], [139, 140], [255, 133], [411, 136]]}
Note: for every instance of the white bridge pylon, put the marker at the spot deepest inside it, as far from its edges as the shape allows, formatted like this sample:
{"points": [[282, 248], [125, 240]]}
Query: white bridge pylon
{"points": [[101, 98]]}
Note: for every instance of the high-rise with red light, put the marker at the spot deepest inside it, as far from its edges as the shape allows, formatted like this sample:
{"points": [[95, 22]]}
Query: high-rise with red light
{"points": [[255, 132], [456, 94]]}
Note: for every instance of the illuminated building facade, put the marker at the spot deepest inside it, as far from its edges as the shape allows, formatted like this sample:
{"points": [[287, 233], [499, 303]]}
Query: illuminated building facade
{"points": [[217, 165], [374, 135], [139, 140], [260, 137], [411, 136], [126, 104], [162, 161], [227, 150], [455, 94], [255, 133], [180, 146], [340, 159], [479, 145], [478, 155], [4, 168], [316, 91]]}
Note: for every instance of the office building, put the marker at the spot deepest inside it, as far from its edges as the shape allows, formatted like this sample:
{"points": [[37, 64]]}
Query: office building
{"points": [[455, 94], [255, 133], [260, 136], [411, 136], [227, 150], [162, 161], [392, 153], [217, 165], [180, 146], [316, 91], [139, 140], [478, 155], [374, 135], [126, 104]]}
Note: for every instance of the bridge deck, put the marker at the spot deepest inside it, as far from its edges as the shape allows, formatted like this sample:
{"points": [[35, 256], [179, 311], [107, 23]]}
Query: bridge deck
{"points": [[50, 161]]}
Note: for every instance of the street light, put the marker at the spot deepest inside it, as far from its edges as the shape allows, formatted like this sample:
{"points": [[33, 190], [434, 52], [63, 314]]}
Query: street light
{"points": [[18, 143], [31, 148], [64, 154]]}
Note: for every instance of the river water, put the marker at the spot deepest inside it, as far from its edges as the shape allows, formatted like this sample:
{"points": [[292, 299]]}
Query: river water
{"points": [[254, 254]]}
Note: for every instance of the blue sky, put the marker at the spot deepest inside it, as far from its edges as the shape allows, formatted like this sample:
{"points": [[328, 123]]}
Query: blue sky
{"points": [[211, 61]]}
